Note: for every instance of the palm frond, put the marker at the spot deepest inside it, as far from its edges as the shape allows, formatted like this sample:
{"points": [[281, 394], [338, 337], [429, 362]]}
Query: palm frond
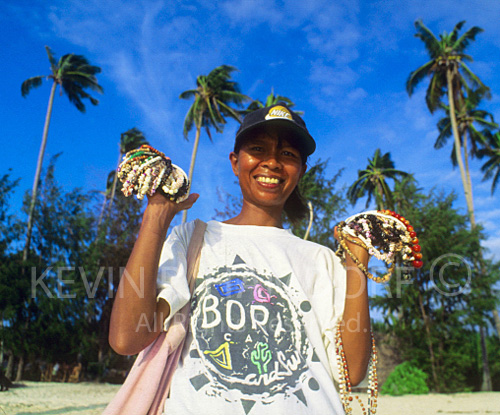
{"points": [[188, 121], [30, 83], [131, 139], [431, 43], [188, 94], [464, 41], [53, 63], [475, 81], [454, 33], [418, 75]]}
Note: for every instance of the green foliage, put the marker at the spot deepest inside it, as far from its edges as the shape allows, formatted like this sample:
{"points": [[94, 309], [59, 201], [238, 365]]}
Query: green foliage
{"points": [[436, 312], [406, 379], [77, 273], [328, 203], [7, 230]]}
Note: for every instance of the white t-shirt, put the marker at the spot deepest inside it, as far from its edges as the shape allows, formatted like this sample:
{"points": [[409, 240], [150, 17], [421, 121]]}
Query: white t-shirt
{"points": [[263, 320]]}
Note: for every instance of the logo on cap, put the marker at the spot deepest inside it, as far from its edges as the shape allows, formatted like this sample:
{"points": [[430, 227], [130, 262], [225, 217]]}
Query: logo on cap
{"points": [[279, 112]]}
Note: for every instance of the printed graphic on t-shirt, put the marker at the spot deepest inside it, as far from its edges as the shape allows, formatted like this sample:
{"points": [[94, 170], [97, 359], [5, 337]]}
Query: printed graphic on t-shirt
{"points": [[248, 331]]}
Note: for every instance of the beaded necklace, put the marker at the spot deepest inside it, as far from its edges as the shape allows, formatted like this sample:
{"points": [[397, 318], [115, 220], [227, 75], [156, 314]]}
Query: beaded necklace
{"points": [[345, 387], [146, 170]]}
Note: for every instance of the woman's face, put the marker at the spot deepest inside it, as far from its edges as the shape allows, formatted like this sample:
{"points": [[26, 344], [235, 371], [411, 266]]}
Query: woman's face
{"points": [[268, 170]]}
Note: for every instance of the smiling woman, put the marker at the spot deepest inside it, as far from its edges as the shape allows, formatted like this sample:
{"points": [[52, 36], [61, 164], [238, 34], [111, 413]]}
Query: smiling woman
{"points": [[277, 323]]}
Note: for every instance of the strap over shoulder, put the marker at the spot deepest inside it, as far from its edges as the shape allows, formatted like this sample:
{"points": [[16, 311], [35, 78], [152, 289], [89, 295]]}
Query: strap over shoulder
{"points": [[194, 252]]}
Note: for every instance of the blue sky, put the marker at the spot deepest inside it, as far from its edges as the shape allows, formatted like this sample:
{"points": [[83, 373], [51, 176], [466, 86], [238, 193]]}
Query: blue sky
{"points": [[344, 63]]}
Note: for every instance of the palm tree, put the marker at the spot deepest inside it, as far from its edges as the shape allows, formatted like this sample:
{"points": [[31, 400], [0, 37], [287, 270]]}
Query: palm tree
{"points": [[271, 100], [212, 98], [372, 182], [448, 74], [73, 74]]}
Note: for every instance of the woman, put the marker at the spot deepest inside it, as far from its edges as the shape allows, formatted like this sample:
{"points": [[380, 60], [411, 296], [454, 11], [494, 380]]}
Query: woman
{"points": [[267, 304]]}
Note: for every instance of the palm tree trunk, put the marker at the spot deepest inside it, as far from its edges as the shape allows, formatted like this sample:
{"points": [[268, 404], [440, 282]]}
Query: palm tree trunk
{"points": [[428, 335], [469, 183], [113, 188], [486, 386], [458, 146], [20, 369], [10, 365], [103, 208], [38, 172], [379, 197], [193, 160]]}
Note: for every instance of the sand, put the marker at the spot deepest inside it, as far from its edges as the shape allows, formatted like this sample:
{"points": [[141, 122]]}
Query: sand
{"points": [[49, 398]]}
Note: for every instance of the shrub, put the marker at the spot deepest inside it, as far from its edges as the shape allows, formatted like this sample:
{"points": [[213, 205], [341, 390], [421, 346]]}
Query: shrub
{"points": [[405, 379]]}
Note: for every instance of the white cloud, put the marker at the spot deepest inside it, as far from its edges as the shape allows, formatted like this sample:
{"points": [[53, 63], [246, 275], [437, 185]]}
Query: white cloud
{"points": [[493, 245]]}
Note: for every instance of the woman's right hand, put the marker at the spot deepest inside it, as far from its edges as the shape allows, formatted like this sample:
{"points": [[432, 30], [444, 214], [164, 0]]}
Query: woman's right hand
{"points": [[161, 200], [160, 212]]}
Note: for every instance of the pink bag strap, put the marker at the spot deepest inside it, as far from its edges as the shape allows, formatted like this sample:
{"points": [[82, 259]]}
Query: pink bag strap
{"points": [[194, 252]]}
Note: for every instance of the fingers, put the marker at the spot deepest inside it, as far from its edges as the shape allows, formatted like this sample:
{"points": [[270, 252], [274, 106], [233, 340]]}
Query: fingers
{"points": [[189, 202], [159, 200]]}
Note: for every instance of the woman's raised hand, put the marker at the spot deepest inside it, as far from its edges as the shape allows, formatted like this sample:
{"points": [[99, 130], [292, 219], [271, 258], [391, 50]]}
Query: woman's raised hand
{"points": [[158, 199]]}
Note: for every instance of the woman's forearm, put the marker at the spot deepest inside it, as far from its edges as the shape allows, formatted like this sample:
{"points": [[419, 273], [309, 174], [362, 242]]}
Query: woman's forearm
{"points": [[356, 337], [137, 318]]}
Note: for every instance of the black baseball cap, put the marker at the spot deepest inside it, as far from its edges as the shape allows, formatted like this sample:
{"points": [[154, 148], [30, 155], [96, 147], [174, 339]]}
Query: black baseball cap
{"points": [[285, 119]]}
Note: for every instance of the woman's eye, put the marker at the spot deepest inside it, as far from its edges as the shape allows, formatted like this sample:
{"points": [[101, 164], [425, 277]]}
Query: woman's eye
{"points": [[289, 154]]}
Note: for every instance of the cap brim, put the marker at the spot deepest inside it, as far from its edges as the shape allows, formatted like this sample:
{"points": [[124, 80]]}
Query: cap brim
{"points": [[298, 134]]}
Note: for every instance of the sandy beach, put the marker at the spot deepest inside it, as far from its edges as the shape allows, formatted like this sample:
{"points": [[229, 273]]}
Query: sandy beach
{"points": [[49, 398]]}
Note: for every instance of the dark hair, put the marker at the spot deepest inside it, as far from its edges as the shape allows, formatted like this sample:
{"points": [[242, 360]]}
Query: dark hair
{"points": [[295, 207]]}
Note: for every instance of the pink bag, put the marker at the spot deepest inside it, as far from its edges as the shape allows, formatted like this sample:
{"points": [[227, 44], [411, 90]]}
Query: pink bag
{"points": [[148, 383]]}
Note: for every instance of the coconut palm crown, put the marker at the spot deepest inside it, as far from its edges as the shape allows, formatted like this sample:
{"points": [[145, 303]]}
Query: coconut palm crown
{"points": [[272, 99], [372, 181], [447, 57], [74, 74]]}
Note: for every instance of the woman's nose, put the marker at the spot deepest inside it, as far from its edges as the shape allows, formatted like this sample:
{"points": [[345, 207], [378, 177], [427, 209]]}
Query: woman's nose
{"points": [[272, 161]]}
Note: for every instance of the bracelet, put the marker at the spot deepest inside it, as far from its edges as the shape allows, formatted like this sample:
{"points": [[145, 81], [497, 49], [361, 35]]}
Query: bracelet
{"points": [[146, 170]]}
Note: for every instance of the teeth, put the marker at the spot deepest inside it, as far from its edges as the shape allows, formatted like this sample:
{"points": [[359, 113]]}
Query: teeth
{"points": [[268, 180]]}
